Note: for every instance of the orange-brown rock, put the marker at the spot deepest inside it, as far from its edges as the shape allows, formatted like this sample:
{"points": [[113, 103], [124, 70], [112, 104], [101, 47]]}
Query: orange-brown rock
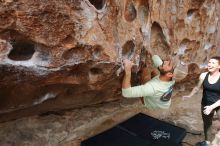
{"points": [[63, 54]]}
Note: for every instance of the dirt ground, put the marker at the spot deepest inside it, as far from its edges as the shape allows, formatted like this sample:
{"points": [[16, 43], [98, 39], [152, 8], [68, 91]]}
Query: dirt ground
{"points": [[69, 128]]}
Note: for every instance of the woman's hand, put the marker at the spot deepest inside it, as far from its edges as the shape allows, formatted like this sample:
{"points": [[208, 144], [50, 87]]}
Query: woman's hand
{"points": [[186, 96], [207, 110]]}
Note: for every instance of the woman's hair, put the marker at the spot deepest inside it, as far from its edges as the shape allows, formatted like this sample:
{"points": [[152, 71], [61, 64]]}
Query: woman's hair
{"points": [[216, 58]]}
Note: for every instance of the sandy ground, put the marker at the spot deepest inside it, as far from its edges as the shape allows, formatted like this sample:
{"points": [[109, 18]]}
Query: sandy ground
{"points": [[69, 128]]}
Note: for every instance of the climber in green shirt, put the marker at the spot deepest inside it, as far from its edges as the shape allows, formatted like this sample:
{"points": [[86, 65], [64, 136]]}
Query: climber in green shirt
{"points": [[157, 92]]}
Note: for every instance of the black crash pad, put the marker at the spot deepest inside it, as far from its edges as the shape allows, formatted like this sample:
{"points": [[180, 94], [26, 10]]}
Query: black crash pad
{"points": [[139, 130]]}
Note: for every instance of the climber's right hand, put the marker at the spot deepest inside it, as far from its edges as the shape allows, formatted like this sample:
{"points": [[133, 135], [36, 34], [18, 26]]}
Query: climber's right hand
{"points": [[127, 65]]}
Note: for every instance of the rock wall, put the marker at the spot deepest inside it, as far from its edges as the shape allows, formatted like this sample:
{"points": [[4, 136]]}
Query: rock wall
{"points": [[63, 54]]}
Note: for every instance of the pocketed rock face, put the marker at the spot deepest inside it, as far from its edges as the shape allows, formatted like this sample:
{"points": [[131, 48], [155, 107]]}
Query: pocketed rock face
{"points": [[63, 54]]}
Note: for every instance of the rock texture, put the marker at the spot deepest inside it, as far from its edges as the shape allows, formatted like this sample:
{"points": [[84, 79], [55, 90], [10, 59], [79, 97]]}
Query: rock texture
{"points": [[63, 54]]}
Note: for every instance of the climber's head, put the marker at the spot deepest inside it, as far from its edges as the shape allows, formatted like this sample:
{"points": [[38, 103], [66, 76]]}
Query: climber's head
{"points": [[166, 67]]}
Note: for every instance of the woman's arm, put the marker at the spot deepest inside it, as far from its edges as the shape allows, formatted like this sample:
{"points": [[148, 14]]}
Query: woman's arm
{"points": [[196, 88], [208, 109]]}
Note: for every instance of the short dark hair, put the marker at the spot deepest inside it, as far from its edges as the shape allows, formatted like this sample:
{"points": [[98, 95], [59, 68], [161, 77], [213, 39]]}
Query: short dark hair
{"points": [[216, 58]]}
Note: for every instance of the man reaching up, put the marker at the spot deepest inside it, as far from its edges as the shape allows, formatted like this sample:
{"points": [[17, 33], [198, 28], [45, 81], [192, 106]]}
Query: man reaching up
{"points": [[157, 92]]}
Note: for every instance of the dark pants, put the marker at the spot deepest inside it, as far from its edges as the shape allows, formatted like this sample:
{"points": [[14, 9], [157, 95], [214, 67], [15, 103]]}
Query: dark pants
{"points": [[207, 122]]}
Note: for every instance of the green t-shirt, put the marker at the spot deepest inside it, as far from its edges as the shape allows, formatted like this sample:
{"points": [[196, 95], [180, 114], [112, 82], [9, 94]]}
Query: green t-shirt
{"points": [[156, 93]]}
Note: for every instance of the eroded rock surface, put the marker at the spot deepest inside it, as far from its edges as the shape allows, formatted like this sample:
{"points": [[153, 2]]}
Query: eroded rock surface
{"points": [[63, 54]]}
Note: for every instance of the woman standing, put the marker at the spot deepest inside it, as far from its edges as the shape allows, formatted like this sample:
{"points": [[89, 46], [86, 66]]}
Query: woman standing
{"points": [[211, 97]]}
